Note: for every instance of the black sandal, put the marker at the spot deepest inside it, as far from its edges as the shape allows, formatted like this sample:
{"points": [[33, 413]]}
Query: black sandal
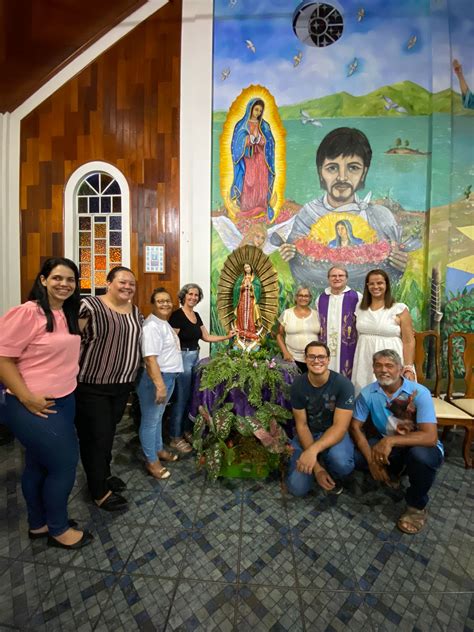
{"points": [[86, 539], [114, 502], [44, 534]]}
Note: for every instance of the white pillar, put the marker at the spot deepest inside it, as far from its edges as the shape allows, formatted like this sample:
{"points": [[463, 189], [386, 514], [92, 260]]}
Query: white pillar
{"points": [[9, 211], [195, 150]]}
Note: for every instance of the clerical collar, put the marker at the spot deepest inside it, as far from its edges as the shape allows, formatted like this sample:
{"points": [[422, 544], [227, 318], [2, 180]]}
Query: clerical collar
{"points": [[328, 291]]}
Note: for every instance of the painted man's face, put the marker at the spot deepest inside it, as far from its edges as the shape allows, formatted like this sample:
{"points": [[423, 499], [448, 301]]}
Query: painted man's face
{"points": [[341, 177]]}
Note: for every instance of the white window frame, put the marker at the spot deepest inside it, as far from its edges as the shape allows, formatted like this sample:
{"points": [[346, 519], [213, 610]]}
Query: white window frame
{"points": [[70, 219]]}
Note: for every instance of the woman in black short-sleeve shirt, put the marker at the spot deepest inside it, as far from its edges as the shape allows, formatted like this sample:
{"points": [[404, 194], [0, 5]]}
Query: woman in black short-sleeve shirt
{"points": [[190, 329]]}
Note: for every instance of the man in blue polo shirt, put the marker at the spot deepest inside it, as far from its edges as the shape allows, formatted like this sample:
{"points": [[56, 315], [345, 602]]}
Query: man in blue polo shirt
{"points": [[401, 443]]}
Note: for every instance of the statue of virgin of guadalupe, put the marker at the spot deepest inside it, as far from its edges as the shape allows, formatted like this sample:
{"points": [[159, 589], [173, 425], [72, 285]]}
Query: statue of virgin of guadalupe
{"points": [[247, 293]]}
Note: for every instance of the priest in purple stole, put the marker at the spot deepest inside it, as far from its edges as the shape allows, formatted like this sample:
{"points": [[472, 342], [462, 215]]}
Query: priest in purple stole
{"points": [[336, 308]]}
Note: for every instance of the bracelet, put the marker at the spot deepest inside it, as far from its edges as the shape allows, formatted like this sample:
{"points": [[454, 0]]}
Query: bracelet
{"points": [[409, 367]]}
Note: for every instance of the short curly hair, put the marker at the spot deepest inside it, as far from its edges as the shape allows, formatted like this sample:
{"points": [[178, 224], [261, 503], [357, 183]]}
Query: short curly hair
{"points": [[185, 289]]}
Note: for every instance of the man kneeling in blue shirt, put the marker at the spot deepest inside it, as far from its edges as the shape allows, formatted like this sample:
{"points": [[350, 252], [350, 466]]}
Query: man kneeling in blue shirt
{"points": [[402, 443]]}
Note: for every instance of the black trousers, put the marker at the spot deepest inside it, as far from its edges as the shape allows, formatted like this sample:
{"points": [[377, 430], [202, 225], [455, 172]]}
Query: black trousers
{"points": [[99, 408]]}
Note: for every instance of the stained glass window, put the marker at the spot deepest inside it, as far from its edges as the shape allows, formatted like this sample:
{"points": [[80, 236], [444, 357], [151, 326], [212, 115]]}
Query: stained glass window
{"points": [[99, 223]]}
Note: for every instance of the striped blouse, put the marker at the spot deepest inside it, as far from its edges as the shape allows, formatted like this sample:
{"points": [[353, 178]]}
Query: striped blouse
{"points": [[110, 349]]}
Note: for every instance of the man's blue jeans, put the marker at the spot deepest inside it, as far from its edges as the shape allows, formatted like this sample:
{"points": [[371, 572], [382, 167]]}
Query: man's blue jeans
{"points": [[52, 453], [179, 420], [421, 464], [152, 413], [338, 460]]}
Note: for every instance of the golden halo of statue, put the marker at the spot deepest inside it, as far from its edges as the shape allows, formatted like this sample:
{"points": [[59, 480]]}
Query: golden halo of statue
{"points": [[268, 277]]}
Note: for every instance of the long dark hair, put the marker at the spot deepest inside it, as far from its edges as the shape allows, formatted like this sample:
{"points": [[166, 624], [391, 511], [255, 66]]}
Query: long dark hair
{"points": [[39, 294], [367, 297]]}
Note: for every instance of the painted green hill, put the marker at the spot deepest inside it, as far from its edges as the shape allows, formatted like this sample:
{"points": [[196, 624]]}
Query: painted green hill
{"points": [[416, 100]]}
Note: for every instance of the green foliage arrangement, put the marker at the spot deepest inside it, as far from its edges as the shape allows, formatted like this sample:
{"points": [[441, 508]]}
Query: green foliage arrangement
{"points": [[249, 372], [225, 438], [458, 316]]}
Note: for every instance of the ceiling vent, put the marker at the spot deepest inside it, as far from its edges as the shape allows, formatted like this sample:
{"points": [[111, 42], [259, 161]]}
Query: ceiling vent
{"points": [[318, 23]]}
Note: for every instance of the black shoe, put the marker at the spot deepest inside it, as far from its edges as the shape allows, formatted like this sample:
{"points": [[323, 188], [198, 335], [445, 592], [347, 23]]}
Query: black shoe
{"points": [[39, 536], [114, 502], [116, 484], [335, 491], [86, 539]]}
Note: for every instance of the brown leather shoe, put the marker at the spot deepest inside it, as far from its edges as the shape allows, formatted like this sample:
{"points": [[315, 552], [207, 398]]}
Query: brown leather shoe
{"points": [[157, 470]]}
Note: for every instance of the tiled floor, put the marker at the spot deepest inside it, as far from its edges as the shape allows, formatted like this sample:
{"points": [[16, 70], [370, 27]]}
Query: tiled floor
{"points": [[240, 555]]}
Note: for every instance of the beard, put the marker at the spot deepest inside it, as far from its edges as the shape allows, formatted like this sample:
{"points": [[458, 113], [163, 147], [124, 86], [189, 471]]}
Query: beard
{"points": [[342, 192], [387, 380]]}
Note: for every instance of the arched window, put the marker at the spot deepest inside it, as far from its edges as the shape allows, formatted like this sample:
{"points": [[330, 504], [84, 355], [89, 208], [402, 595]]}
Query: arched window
{"points": [[97, 238]]}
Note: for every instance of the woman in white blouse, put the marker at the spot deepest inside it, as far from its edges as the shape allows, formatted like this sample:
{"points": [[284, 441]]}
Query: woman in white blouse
{"points": [[299, 325], [163, 363]]}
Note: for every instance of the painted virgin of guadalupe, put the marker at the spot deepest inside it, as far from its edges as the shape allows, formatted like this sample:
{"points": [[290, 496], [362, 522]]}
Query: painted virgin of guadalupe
{"points": [[253, 158], [247, 292], [344, 236]]}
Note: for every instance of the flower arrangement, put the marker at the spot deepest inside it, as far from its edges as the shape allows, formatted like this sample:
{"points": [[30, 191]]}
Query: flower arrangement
{"points": [[365, 253]]}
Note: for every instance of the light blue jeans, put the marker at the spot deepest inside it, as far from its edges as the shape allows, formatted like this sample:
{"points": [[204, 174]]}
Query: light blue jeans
{"points": [[152, 413], [338, 460], [179, 419]]}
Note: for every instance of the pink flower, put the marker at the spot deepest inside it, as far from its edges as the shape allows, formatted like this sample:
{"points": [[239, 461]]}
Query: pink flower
{"points": [[366, 253]]}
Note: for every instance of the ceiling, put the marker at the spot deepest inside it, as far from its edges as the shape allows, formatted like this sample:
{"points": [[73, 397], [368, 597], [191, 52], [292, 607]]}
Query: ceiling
{"points": [[38, 38]]}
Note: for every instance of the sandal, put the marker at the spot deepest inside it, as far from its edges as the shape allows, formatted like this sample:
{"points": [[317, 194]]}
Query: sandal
{"points": [[157, 470], [168, 457], [181, 445], [412, 521]]}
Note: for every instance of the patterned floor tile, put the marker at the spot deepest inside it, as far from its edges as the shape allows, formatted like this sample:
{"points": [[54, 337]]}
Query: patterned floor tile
{"points": [[261, 515], [159, 553], [322, 564], [212, 556], [75, 599], [335, 611], [424, 613], [137, 603], [263, 609], [407, 566], [203, 606], [24, 587], [267, 559], [312, 516], [219, 508], [110, 549], [175, 510]]}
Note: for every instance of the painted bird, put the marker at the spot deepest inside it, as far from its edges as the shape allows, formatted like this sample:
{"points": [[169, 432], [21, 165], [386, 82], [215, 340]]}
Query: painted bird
{"points": [[391, 105], [297, 59], [225, 74], [467, 192], [360, 14], [411, 42], [352, 67], [250, 45], [307, 118]]}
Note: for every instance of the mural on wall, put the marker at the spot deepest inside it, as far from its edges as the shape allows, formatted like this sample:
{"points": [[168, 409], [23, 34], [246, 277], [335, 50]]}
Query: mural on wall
{"points": [[340, 135]]}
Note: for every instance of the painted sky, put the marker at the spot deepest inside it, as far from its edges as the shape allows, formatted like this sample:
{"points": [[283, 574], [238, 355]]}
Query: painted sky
{"points": [[444, 29]]}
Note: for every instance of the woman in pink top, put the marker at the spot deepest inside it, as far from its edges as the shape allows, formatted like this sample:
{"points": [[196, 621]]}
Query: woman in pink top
{"points": [[39, 362]]}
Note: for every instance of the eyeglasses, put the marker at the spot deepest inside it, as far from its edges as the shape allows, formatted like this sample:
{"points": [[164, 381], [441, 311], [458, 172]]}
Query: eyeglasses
{"points": [[303, 296], [316, 358], [164, 302]]}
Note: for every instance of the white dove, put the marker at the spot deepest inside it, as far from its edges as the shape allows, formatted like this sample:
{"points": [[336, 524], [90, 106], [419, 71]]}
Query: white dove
{"points": [[250, 45], [297, 59], [391, 105], [307, 118], [225, 73]]}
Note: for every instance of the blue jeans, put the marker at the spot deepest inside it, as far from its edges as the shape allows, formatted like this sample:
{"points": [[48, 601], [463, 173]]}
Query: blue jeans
{"points": [[338, 460], [421, 463], [179, 419], [52, 453], [152, 413]]}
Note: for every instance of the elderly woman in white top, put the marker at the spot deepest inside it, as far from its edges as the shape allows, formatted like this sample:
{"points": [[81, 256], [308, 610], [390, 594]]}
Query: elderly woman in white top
{"points": [[163, 363], [299, 325]]}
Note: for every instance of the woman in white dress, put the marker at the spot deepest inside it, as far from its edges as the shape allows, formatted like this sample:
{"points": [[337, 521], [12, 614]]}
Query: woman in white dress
{"points": [[381, 324], [299, 325]]}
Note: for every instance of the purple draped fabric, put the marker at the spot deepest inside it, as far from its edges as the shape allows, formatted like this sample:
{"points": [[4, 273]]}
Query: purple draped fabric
{"points": [[242, 407], [348, 331]]}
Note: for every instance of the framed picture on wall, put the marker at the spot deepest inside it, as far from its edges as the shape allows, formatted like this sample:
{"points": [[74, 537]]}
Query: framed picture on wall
{"points": [[155, 258]]}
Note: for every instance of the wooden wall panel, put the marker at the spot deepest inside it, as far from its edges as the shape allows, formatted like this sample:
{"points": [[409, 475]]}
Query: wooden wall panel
{"points": [[122, 109]]}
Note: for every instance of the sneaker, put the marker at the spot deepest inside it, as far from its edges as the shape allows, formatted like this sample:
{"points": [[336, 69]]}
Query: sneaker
{"points": [[180, 445], [338, 489]]}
